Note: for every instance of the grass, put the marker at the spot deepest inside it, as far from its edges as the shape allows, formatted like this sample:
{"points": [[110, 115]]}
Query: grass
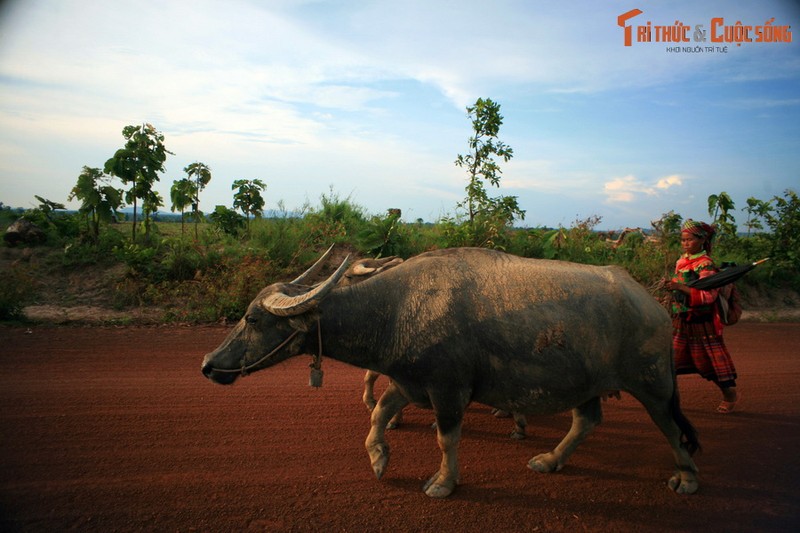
{"points": [[217, 274]]}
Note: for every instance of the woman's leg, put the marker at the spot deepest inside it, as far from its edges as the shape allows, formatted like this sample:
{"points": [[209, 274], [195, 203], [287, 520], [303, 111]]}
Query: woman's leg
{"points": [[729, 396]]}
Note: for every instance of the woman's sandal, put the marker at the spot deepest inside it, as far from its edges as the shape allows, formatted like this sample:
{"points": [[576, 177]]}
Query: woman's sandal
{"points": [[726, 407]]}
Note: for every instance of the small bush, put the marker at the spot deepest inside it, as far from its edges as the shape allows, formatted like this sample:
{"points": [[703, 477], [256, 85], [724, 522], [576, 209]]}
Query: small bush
{"points": [[336, 220], [16, 290]]}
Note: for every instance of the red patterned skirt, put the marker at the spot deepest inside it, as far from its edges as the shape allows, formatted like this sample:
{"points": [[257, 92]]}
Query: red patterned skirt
{"points": [[699, 350]]}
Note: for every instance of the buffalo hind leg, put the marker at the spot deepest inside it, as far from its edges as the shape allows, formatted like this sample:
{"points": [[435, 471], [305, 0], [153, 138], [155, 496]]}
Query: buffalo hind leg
{"points": [[585, 418], [520, 423], [390, 403]]}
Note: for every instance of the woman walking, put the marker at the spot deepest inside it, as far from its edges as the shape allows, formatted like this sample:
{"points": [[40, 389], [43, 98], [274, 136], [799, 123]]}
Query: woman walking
{"points": [[697, 327]]}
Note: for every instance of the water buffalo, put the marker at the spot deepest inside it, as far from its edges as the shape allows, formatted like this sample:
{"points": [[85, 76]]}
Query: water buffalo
{"points": [[449, 328], [364, 269]]}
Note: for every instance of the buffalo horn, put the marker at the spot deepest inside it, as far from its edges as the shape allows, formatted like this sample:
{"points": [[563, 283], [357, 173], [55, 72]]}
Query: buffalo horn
{"points": [[313, 270], [281, 304]]}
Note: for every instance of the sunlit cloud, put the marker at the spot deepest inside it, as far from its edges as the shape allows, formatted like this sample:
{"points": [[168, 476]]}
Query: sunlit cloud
{"points": [[668, 182], [627, 189]]}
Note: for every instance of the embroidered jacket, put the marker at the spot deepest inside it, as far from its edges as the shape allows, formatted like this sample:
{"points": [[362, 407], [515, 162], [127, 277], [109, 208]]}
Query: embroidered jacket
{"points": [[699, 304]]}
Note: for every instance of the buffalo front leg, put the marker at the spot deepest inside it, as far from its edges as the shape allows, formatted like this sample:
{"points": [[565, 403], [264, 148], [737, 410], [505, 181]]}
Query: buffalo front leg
{"points": [[389, 404], [449, 415], [444, 482], [585, 418]]}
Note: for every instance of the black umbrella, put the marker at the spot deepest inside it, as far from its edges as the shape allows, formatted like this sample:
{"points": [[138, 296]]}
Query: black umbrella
{"points": [[723, 277]]}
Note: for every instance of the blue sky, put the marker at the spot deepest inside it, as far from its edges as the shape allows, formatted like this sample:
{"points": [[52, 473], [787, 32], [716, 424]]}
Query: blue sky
{"points": [[367, 98]]}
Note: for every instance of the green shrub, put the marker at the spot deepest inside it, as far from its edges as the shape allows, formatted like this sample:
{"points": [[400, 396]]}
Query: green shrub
{"points": [[283, 238], [84, 251], [17, 288], [381, 237], [336, 220], [227, 220]]}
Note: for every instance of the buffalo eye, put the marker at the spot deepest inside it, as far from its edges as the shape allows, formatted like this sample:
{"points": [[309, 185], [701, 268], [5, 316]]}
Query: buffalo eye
{"points": [[250, 319]]}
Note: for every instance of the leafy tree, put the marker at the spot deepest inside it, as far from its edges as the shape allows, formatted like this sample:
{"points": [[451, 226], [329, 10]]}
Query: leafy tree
{"points": [[99, 199], [668, 228], [667, 231], [784, 221], [756, 210], [248, 198], [182, 195], [202, 175], [227, 220], [138, 164], [487, 216], [719, 208]]}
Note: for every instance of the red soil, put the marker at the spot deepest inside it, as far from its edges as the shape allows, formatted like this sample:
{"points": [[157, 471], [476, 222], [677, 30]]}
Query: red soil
{"points": [[108, 429]]}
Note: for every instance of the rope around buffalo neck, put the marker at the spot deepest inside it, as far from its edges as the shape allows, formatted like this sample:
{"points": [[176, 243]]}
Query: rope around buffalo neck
{"points": [[245, 367], [315, 380]]}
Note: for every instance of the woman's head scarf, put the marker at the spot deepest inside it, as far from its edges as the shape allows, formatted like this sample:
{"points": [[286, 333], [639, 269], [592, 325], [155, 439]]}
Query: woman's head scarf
{"points": [[700, 230]]}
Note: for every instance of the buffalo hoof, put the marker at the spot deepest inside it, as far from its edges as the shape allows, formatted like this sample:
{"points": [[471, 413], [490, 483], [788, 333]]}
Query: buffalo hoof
{"points": [[379, 458], [544, 463], [518, 435], [682, 486], [439, 489], [395, 422]]}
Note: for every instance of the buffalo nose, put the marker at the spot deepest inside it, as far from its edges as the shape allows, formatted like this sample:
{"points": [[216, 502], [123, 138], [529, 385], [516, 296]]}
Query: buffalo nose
{"points": [[207, 369]]}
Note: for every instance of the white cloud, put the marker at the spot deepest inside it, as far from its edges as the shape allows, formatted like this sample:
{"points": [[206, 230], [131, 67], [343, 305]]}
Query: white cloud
{"points": [[669, 181], [626, 189]]}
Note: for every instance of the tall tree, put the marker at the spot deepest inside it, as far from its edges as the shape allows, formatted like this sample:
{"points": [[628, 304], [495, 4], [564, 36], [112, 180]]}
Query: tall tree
{"points": [[99, 199], [484, 146], [182, 195], [201, 175], [248, 198], [137, 164]]}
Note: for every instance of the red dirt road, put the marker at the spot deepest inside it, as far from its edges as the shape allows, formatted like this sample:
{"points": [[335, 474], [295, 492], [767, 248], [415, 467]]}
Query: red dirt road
{"points": [[109, 429]]}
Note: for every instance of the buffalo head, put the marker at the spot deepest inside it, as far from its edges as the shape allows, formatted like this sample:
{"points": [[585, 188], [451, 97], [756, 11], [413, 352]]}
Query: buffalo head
{"points": [[273, 328]]}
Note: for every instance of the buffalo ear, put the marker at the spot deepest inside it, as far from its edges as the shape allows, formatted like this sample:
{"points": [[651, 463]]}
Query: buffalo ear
{"points": [[364, 267]]}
